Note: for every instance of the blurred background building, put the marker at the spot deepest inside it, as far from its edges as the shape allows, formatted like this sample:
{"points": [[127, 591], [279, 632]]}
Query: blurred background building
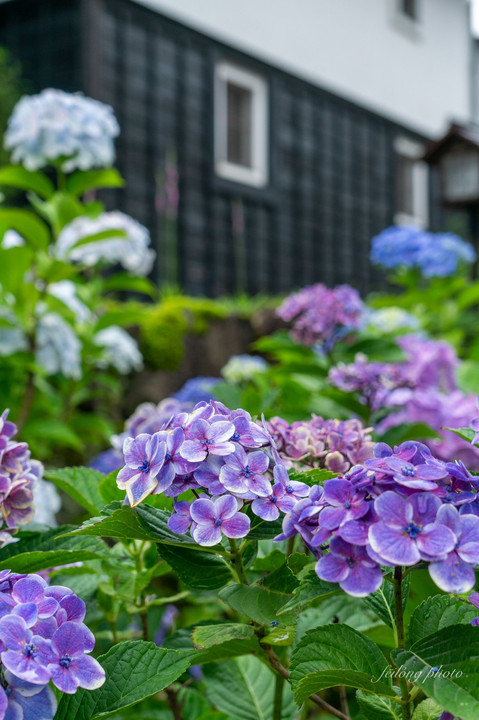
{"points": [[264, 142]]}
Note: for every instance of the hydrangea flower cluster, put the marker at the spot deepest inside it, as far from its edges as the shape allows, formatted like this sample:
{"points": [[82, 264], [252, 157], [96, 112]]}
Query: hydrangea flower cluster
{"points": [[423, 389], [322, 316], [390, 320], [332, 444], [130, 250], [400, 508], [58, 126], [42, 638], [120, 350], [241, 368], [18, 475], [225, 458], [433, 254]]}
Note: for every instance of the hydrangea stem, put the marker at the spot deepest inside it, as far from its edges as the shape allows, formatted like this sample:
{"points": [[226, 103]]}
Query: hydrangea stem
{"points": [[401, 640], [237, 561], [278, 697]]}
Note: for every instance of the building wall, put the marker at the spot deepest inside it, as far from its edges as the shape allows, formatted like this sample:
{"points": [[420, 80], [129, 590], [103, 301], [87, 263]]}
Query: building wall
{"points": [[332, 174], [356, 48]]}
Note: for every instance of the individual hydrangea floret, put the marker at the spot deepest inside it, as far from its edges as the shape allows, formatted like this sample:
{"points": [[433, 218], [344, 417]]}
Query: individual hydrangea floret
{"points": [[42, 639], [224, 458], [53, 127], [130, 248], [322, 316], [432, 254], [58, 347]]}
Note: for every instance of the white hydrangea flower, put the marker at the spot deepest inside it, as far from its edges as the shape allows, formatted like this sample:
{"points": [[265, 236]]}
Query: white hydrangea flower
{"points": [[12, 239], [58, 348], [65, 290], [54, 124], [243, 367], [391, 319], [132, 251], [120, 350]]}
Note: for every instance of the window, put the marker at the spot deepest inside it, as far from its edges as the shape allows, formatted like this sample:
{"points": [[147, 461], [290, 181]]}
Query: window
{"points": [[241, 125], [412, 184], [409, 8]]}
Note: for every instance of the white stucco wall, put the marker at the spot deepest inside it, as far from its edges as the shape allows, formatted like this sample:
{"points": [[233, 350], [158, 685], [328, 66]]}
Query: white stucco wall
{"points": [[356, 48]]}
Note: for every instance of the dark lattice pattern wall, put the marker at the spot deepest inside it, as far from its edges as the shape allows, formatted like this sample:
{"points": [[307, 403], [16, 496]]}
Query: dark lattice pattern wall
{"points": [[332, 163]]}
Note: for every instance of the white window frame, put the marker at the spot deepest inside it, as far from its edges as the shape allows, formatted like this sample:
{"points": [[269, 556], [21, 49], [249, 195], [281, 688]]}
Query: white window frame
{"points": [[257, 175], [413, 150]]}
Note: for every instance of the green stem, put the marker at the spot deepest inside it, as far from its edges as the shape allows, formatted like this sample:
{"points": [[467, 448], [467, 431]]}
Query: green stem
{"points": [[238, 563], [278, 697], [401, 640]]}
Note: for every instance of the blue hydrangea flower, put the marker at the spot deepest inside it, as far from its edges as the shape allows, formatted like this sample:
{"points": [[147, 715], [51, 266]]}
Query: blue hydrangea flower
{"points": [[55, 125]]}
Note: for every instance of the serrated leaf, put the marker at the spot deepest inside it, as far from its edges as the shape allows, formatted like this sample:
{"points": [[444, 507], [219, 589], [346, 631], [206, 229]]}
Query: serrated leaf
{"points": [[82, 180], [244, 689], [338, 655], [253, 601], [182, 640], [316, 476], [197, 569], [205, 636], [262, 529], [134, 670], [382, 600], [438, 612], [154, 521], [18, 176], [378, 707], [427, 710], [281, 636], [464, 433], [122, 523], [282, 580], [45, 550], [310, 588], [81, 484], [108, 488], [452, 651]]}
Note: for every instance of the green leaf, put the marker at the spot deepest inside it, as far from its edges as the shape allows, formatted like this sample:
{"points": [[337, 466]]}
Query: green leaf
{"points": [[18, 176], [45, 550], [205, 636], [81, 484], [121, 523], [454, 681], [14, 263], [282, 580], [262, 529], [467, 374], [408, 431], [338, 655], [28, 225], [134, 670], [464, 433], [244, 689], [130, 283], [82, 180], [310, 588], [438, 612], [154, 521], [108, 488], [197, 569], [377, 707], [102, 235], [382, 601], [55, 431], [427, 710], [316, 476], [253, 601]]}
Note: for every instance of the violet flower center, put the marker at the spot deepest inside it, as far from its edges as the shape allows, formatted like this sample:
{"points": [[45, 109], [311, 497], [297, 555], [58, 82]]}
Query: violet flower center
{"points": [[247, 472], [408, 471], [217, 522], [347, 505], [289, 489], [168, 456], [412, 529], [30, 650], [235, 436], [65, 661], [144, 467], [350, 561]]}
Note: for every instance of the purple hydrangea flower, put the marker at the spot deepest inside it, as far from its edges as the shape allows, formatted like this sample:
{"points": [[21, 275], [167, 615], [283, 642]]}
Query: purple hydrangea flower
{"points": [[22, 700], [407, 531], [180, 520], [268, 507], [21, 656], [213, 518], [343, 503], [351, 567], [144, 458], [455, 573]]}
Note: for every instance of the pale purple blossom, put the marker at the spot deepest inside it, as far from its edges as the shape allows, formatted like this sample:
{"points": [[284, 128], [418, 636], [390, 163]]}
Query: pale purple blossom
{"points": [[214, 518]]}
